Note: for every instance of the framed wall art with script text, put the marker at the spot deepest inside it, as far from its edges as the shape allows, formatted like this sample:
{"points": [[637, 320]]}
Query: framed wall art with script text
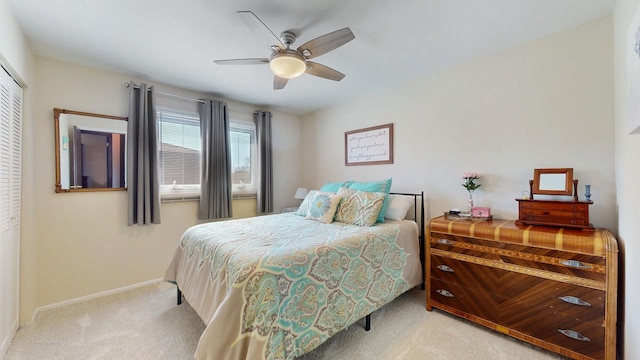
{"points": [[369, 146]]}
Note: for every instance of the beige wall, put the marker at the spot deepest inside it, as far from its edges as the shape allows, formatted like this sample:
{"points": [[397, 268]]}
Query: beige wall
{"points": [[627, 180], [84, 244], [15, 54], [546, 104]]}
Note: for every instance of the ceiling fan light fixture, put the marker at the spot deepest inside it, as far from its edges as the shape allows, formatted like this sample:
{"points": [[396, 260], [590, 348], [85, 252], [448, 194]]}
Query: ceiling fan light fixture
{"points": [[288, 64]]}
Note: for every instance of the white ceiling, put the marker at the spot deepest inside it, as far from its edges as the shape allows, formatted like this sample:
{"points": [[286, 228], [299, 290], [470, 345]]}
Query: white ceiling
{"points": [[175, 41]]}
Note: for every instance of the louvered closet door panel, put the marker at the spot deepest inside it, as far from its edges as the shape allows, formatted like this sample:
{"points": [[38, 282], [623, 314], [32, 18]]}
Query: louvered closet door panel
{"points": [[5, 155], [15, 181], [16, 160], [10, 203], [5, 251]]}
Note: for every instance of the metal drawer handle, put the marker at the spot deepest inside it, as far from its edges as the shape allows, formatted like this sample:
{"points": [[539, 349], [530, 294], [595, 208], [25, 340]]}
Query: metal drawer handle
{"points": [[445, 268], [574, 335], [575, 264], [445, 293], [574, 300], [444, 242]]}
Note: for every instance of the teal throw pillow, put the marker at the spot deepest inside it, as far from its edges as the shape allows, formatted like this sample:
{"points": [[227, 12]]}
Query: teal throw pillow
{"points": [[334, 186]]}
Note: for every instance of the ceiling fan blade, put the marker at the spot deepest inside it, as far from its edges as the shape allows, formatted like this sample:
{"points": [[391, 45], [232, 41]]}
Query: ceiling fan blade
{"points": [[323, 71], [279, 82], [325, 43], [251, 61], [254, 16]]}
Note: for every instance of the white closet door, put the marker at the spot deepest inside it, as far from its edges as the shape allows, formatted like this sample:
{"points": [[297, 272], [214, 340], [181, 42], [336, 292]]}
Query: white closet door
{"points": [[10, 177]]}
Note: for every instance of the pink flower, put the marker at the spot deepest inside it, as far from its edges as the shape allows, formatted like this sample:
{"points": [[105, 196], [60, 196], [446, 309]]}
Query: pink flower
{"points": [[470, 181]]}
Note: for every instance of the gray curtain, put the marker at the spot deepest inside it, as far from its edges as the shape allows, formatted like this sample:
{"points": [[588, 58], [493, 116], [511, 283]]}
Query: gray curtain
{"points": [[215, 184], [143, 184], [262, 120]]}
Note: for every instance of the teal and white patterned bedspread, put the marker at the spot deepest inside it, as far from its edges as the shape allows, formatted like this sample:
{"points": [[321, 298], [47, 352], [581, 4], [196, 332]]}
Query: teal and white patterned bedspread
{"points": [[277, 286]]}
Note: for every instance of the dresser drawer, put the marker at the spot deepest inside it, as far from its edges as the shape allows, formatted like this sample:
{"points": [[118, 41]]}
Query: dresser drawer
{"points": [[470, 301], [486, 249], [551, 260], [554, 206], [467, 275], [553, 213], [554, 219], [534, 294], [586, 338], [512, 290]]}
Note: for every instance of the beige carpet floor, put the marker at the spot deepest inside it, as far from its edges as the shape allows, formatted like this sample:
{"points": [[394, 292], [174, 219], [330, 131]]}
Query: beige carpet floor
{"points": [[145, 323]]}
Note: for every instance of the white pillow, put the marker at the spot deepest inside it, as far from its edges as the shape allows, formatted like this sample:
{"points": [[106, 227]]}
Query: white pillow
{"points": [[398, 207]]}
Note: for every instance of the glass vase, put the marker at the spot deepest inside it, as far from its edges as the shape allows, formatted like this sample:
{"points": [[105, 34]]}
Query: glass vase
{"points": [[470, 202], [587, 192]]}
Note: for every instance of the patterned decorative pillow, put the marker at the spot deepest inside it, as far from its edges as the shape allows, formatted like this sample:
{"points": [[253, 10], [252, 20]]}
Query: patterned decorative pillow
{"points": [[323, 207], [383, 186], [304, 207], [359, 207]]}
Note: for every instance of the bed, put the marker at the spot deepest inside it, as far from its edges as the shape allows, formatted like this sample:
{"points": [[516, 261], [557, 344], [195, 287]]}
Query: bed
{"points": [[278, 286]]}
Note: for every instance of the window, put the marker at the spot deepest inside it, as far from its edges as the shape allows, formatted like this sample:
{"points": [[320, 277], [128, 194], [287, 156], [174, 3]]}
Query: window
{"points": [[179, 154], [243, 158], [180, 149]]}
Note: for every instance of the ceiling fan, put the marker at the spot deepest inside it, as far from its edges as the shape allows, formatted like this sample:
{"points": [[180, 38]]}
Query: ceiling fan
{"points": [[287, 63]]}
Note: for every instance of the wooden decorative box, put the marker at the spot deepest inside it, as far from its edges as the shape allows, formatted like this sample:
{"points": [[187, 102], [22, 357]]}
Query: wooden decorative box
{"points": [[573, 214], [552, 287]]}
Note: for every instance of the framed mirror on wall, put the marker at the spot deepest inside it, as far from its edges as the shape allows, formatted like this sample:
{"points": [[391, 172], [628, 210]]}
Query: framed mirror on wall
{"points": [[90, 151]]}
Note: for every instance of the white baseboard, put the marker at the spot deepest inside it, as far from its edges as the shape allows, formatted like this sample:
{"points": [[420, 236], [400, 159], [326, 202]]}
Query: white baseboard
{"points": [[93, 296], [7, 340]]}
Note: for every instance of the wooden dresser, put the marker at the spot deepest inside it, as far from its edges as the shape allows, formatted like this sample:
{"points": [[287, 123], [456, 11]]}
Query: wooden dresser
{"points": [[552, 287]]}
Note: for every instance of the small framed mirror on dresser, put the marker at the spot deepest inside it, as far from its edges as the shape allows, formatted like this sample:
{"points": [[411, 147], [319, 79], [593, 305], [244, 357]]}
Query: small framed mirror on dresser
{"points": [[552, 182], [556, 209]]}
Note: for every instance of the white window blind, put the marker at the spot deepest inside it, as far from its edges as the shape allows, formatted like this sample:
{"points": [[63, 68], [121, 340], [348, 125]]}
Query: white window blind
{"points": [[180, 147], [243, 158]]}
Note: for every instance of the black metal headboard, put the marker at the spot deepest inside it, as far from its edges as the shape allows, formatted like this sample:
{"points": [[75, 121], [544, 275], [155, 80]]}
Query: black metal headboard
{"points": [[421, 225]]}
